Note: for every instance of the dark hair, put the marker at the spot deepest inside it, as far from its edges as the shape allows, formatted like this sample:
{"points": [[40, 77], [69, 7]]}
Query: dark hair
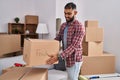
{"points": [[70, 5]]}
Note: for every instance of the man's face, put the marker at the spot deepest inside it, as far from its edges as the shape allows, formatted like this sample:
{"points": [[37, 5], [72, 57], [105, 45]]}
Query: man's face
{"points": [[69, 14]]}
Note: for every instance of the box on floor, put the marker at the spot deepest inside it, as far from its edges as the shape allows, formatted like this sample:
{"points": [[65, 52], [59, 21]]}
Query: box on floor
{"points": [[98, 64], [7, 69], [24, 73]]}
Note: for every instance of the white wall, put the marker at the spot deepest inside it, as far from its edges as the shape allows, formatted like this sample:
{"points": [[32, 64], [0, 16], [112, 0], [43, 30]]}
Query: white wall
{"points": [[44, 9], [47, 14], [10, 9], [107, 12]]}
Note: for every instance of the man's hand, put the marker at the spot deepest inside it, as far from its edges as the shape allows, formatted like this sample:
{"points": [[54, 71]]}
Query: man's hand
{"points": [[52, 59]]}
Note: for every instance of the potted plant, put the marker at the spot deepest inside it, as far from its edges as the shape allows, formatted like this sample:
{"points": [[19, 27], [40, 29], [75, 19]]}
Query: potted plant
{"points": [[16, 19]]}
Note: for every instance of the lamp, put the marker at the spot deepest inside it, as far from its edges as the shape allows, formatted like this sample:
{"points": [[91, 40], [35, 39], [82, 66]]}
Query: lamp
{"points": [[42, 29]]}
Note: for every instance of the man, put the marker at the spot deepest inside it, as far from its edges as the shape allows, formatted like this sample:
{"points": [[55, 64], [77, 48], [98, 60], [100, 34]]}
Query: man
{"points": [[71, 34]]}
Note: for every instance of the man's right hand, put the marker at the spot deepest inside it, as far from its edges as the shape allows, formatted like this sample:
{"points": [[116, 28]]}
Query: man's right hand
{"points": [[52, 59]]}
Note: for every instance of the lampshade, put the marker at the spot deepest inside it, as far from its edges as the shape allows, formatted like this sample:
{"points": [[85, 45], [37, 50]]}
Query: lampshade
{"points": [[42, 29]]}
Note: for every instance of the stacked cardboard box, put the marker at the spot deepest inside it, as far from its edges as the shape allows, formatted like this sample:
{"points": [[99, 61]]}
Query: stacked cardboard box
{"points": [[94, 60], [9, 43], [31, 19], [93, 40]]}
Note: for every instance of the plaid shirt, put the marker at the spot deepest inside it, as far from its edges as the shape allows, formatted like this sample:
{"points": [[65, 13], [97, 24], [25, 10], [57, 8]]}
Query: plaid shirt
{"points": [[75, 34]]}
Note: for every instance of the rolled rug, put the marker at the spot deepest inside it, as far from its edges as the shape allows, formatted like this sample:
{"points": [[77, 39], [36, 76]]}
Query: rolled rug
{"points": [[82, 78]]}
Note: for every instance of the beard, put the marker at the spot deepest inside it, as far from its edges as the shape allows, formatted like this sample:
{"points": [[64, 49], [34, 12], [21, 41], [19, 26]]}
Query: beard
{"points": [[70, 19]]}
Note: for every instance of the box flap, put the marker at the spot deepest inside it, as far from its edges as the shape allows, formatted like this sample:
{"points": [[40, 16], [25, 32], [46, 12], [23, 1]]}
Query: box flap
{"points": [[36, 74], [14, 73], [25, 73]]}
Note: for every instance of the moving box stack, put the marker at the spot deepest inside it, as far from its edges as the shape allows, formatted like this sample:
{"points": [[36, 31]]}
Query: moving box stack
{"points": [[95, 61]]}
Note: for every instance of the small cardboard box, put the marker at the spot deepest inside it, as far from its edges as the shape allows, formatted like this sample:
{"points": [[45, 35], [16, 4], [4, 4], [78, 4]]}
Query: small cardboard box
{"points": [[31, 19], [98, 64], [91, 23], [36, 51], [92, 48], [94, 34], [9, 43], [24, 73]]}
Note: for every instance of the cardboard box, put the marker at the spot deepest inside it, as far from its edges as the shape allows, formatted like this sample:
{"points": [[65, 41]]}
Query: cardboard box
{"points": [[23, 73], [36, 51], [92, 48], [98, 64], [94, 34], [91, 23], [7, 69], [9, 43], [31, 19]]}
